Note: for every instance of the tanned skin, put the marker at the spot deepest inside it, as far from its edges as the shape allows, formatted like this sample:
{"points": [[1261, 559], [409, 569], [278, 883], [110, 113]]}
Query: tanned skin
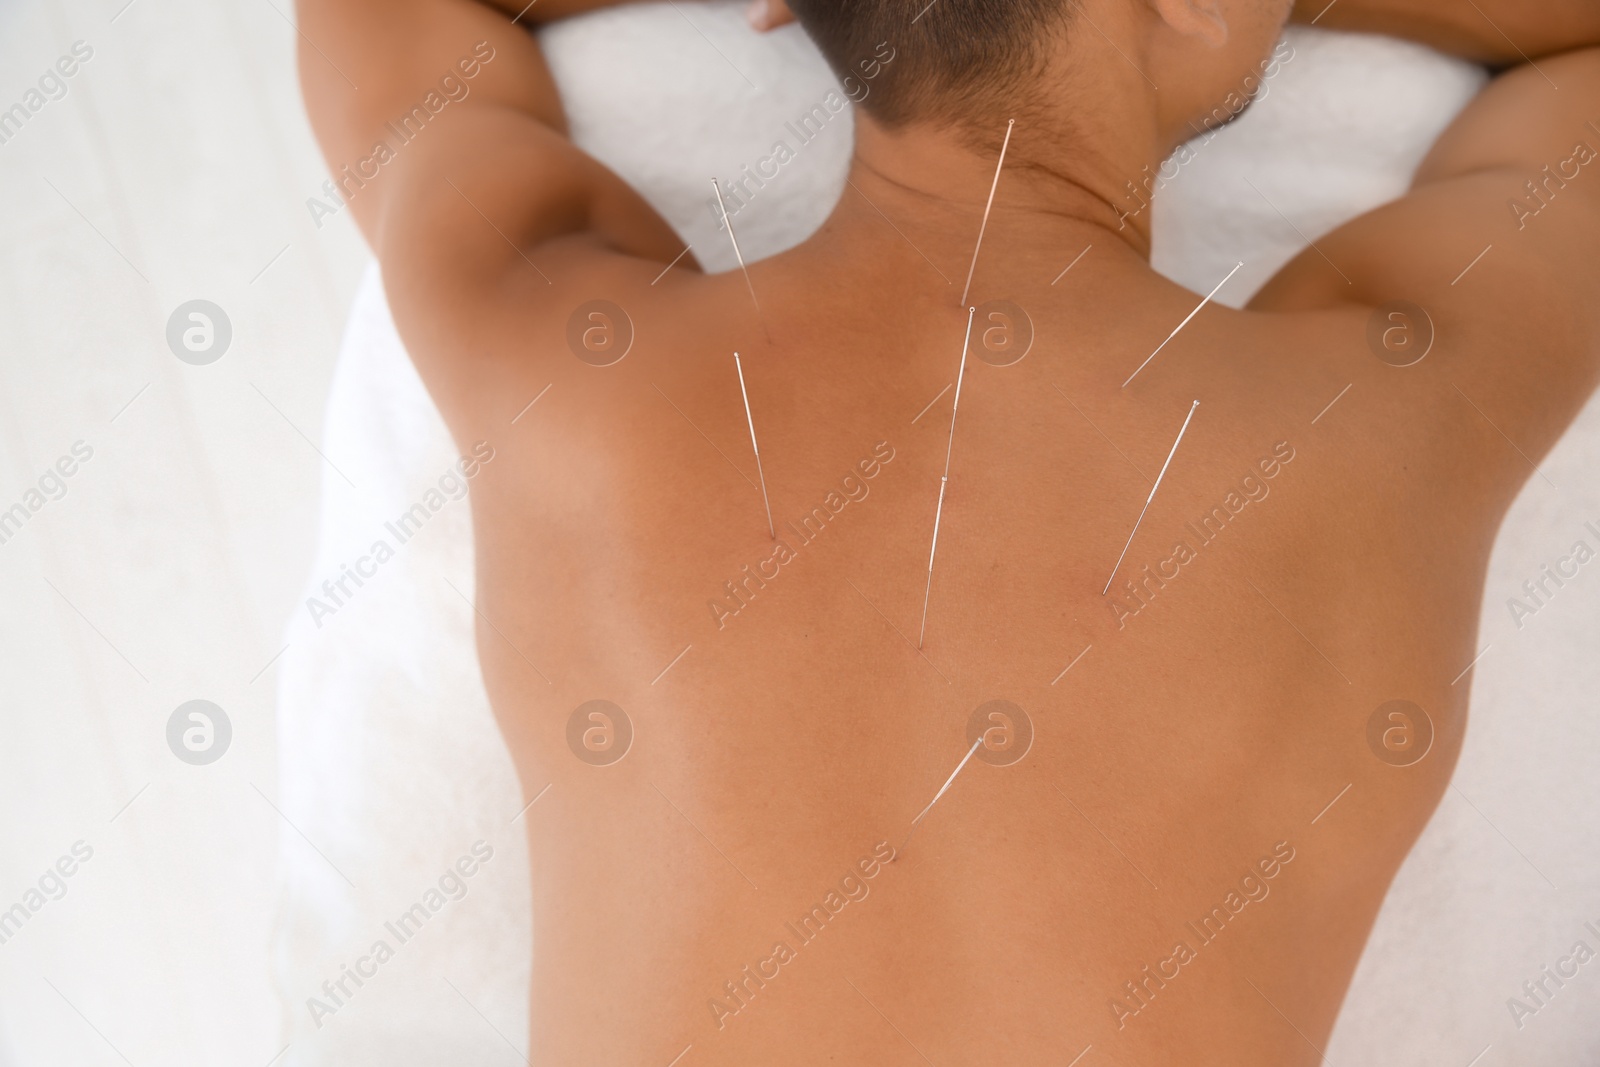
{"points": [[1192, 744]]}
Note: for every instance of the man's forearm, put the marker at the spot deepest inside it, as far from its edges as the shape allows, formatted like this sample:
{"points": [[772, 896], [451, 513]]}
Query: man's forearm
{"points": [[1496, 32], [540, 12]]}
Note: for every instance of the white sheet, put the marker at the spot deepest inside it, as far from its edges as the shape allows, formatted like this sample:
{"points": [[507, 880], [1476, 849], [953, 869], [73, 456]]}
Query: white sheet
{"points": [[390, 760]]}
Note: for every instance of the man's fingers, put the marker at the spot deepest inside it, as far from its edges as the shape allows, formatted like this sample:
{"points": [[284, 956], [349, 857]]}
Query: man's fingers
{"points": [[769, 14]]}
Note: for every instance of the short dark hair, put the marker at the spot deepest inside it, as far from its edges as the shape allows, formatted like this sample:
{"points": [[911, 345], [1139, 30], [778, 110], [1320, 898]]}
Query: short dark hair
{"points": [[954, 60]]}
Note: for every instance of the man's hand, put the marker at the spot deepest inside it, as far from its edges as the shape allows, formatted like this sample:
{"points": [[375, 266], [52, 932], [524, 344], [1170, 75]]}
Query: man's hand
{"points": [[769, 14]]}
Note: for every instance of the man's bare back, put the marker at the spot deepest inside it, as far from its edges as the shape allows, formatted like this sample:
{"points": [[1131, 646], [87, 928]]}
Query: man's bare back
{"points": [[1179, 802]]}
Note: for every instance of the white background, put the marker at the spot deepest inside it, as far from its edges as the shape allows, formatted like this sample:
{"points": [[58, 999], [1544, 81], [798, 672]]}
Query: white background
{"points": [[178, 549]]}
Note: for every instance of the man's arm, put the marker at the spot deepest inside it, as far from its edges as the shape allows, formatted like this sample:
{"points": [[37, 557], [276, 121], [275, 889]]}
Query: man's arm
{"points": [[444, 130], [1494, 32], [1499, 236]]}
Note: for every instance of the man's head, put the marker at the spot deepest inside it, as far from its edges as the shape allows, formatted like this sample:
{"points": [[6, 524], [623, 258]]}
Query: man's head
{"points": [[960, 60], [976, 63]]}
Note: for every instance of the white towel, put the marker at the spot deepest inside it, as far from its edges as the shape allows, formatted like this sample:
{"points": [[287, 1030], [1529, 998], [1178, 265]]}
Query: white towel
{"points": [[390, 760]]}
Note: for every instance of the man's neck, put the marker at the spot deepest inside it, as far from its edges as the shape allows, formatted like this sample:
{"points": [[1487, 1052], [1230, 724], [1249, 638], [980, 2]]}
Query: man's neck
{"points": [[1053, 196]]}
